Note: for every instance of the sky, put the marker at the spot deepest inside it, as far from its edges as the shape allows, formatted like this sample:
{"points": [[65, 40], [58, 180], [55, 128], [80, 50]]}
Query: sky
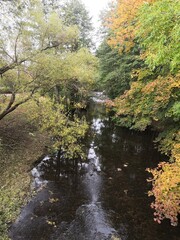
{"points": [[95, 7]]}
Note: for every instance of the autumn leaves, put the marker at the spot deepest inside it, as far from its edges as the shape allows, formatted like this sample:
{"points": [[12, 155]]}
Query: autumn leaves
{"points": [[152, 26]]}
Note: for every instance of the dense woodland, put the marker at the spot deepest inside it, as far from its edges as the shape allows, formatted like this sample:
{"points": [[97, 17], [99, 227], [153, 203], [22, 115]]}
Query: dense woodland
{"points": [[48, 71], [139, 69]]}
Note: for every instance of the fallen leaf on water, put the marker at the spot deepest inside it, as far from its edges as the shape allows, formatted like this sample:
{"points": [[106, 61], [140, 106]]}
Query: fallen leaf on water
{"points": [[53, 200], [51, 223]]}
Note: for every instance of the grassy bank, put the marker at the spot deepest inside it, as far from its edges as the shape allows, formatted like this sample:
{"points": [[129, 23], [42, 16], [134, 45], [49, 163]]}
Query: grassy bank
{"points": [[21, 144]]}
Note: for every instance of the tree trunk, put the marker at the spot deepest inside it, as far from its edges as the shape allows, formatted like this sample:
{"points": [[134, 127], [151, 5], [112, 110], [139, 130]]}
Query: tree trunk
{"points": [[58, 168]]}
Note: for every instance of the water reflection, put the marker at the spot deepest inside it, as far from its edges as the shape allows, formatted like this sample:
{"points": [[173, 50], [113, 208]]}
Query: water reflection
{"points": [[97, 125], [108, 195]]}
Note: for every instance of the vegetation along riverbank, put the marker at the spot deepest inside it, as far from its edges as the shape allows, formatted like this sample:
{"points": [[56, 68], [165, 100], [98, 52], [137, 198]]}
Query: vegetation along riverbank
{"points": [[139, 68], [49, 66]]}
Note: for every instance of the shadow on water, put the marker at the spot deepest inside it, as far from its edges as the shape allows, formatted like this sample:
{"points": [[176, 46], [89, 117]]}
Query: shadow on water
{"points": [[105, 199]]}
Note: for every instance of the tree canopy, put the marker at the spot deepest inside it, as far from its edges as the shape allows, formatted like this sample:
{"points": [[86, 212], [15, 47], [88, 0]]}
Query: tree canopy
{"points": [[74, 13], [38, 62]]}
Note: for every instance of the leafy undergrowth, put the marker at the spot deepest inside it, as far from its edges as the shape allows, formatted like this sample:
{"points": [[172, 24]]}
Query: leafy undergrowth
{"points": [[21, 144]]}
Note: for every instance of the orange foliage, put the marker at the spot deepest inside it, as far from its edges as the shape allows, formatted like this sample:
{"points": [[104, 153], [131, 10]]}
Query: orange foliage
{"points": [[148, 97], [137, 108], [109, 103], [122, 22], [166, 189]]}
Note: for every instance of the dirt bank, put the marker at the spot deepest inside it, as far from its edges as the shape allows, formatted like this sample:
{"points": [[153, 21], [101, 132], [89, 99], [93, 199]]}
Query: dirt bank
{"points": [[20, 145]]}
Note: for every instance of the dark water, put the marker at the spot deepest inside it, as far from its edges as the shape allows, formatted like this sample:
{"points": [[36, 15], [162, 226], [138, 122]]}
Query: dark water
{"points": [[106, 199]]}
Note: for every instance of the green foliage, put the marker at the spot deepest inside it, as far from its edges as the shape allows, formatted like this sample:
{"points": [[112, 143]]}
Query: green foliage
{"points": [[72, 74], [115, 69], [167, 139], [153, 100], [159, 33], [66, 132], [174, 112], [39, 57], [37, 63], [74, 13], [147, 104]]}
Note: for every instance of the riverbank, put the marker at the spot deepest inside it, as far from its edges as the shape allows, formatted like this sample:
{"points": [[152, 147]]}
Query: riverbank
{"points": [[21, 144]]}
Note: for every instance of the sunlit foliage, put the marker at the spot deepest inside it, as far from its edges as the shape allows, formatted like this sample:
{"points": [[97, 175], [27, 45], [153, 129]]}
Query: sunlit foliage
{"points": [[158, 30], [146, 104]]}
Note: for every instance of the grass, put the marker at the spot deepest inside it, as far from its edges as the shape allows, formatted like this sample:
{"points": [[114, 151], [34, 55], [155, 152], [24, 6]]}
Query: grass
{"points": [[21, 144]]}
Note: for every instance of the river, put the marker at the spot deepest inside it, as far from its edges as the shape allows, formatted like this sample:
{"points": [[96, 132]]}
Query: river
{"points": [[106, 198]]}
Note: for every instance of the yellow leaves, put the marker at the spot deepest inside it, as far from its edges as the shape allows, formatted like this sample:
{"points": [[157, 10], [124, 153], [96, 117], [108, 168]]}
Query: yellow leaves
{"points": [[66, 133], [166, 182], [149, 100], [115, 238], [166, 189], [53, 200], [109, 104], [123, 22], [51, 223]]}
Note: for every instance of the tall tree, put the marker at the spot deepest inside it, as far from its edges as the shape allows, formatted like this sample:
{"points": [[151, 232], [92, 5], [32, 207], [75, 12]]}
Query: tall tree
{"points": [[122, 22], [115, 70], [74, 13]]}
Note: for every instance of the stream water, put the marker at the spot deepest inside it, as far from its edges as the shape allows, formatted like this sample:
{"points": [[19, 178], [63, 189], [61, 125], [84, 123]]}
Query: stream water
{"points": [[105, 199]]}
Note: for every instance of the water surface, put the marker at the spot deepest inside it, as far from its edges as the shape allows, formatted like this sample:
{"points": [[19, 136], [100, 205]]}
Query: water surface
{"points": [[105, 199]]}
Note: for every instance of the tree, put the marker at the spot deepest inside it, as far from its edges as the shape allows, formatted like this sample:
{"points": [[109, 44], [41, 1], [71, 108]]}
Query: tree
{"points": [[158, 30], [37, 63], [74, 13], [115, 69], [31, 42], [66, 133], [30, 32], [153, 100], [122, 22], [70, 75], [166, 189]]}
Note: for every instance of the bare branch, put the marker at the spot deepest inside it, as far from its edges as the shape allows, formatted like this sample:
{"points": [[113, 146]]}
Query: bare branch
{"points": [[4, 50]]}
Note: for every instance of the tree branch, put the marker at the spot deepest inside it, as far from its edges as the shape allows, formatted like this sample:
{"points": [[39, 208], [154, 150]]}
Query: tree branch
{"points": [[10, 108], [12, 100], [17, 63], [11, 66]]}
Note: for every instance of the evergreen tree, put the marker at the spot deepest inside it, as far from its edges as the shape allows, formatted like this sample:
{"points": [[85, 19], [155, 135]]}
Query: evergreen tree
{"points": [[73, 12], [115, 69]]}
